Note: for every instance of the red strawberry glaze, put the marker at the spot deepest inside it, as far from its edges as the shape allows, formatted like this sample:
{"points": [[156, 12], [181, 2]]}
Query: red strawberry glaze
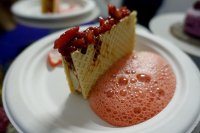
{"points": [[133, 90]]}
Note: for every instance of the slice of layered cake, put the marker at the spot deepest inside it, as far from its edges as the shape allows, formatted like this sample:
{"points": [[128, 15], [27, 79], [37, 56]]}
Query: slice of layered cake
{"points": [[50, 6], [88, 54]]}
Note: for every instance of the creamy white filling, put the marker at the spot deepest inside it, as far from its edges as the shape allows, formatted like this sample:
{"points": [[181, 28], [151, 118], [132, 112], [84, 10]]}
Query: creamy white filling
{"points": [[75, 81]]}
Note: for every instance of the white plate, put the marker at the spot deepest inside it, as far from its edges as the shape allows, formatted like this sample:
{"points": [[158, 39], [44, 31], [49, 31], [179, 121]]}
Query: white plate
{"points": [[61, 23], [37, 98], [31, 9], [160, 25]]}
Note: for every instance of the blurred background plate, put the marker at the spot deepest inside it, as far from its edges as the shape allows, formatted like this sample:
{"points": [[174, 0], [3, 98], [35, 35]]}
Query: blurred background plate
{"points": [[61, 22], [161, 24], [31, 9]]}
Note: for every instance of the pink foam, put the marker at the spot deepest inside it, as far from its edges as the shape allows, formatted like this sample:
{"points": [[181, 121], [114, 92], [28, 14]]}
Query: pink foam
{"points": [[134, 90]]}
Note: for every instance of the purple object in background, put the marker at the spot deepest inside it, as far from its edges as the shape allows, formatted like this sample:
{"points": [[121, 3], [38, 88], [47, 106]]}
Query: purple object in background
{"points": [[192, 22]]}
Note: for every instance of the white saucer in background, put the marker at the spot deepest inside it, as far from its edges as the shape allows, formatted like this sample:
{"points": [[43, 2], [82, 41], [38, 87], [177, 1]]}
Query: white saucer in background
{"points": [[31, 9], [28, 12], [61, 23], [160, 25], [37, 98]]}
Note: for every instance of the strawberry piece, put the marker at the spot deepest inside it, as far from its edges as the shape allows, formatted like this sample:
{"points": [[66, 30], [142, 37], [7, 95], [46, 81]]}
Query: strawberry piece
{"points": [[112, 21], [114, 12], [54, 58], [118, 13], [65, 38], [90, 38], [79, 43], [95, 30], [101, 21], [105, 28], [111, 9], [80, 34], [70, 49], [124, 10]]}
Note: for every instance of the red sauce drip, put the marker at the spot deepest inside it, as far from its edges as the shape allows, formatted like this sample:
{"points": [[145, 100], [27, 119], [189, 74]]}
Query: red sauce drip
{"points": [[74, 39]]}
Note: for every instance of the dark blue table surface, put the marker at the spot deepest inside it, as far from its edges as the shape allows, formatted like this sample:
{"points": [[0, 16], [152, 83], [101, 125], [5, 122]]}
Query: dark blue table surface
{"points": [[14, 41]]}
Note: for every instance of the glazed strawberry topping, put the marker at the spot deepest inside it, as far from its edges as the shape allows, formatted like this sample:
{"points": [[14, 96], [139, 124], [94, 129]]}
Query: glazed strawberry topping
{"points": [[117, 14], [65, 38], [74, 39]]}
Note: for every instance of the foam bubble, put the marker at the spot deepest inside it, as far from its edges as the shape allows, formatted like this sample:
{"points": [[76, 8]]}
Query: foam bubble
{"points": [[122, 80]]}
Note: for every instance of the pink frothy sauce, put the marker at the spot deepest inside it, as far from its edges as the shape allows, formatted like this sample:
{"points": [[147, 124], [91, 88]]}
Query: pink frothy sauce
{"points": [[133, 90]]}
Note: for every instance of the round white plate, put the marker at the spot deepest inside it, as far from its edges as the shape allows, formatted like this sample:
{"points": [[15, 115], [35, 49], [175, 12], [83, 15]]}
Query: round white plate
{"points": [[31, 9], [61, 23], [37, 98], [160, 25]]}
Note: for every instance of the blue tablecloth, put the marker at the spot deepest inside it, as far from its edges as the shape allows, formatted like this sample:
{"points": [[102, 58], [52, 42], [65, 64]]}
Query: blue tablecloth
{"points": [[13, 42]]}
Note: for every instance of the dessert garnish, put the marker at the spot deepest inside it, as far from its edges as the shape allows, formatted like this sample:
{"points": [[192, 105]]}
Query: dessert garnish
{"points": [[88, 54], [54, 58]]}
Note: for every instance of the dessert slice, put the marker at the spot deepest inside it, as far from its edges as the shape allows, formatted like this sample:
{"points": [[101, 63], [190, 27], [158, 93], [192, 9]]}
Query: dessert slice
{"points": [[50, 6], [192, 20], [88, 54]]}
